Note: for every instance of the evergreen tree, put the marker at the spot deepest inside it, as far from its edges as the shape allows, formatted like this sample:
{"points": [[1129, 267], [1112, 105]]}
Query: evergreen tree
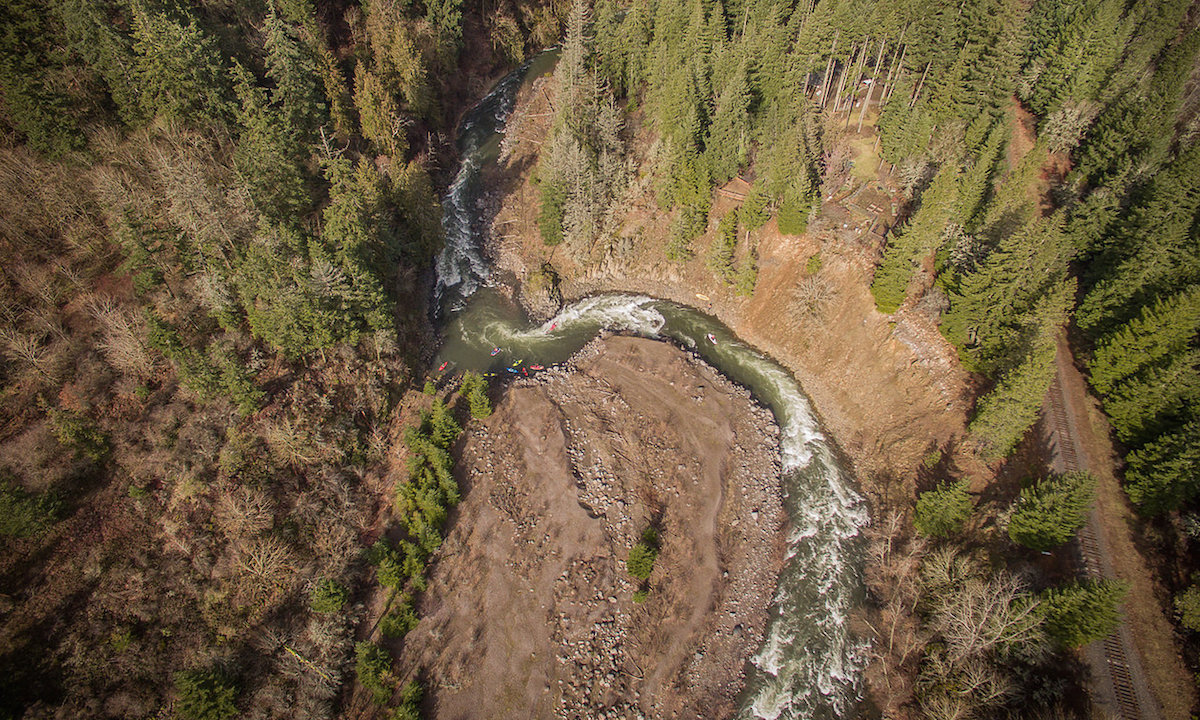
{"points": [[295, 70], [728, 142], [1017, 293], [378, 114], [29, 102], [267, 155], [724, 245], [1003, 416], [1162, 330], [95, 38], [1165, 473], [582, 165], [796, 204], [1050, 512], [1147, 404], [1079, 613], [921, 236], [1154, 253], [943, 511], [1078, 65], [444, 428], [350, 242], [1133, 134], [445, 17], [475, 386], [205, 695], [976, 182], [178, 69]]}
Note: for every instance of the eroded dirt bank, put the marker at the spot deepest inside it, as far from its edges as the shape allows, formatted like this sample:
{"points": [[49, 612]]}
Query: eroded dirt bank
{"points": [[530, 611], [889, 388]]}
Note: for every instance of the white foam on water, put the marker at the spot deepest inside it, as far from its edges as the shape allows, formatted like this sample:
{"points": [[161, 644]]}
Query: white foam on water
{"points": [[633, 313], [809, 663]]}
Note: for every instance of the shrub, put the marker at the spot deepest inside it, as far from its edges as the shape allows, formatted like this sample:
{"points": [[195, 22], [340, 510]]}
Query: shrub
{"points": [[373, 666], [205, 695], [942, 512], [639, 596], [328, 596], [1188, 605], [429, 389], [642, 555], [25, 514], [388, 562], [813, 265], [401, 619]]}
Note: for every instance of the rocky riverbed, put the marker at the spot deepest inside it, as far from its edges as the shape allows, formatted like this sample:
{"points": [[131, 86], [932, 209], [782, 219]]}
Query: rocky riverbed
{"points": [[531, 610]]}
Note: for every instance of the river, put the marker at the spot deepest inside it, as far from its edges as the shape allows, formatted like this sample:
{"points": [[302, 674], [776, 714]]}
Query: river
{"points": [[809, 664]]}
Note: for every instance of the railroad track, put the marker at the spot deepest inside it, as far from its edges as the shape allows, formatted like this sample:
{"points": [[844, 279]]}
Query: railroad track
{"points": [[1128, 687]]}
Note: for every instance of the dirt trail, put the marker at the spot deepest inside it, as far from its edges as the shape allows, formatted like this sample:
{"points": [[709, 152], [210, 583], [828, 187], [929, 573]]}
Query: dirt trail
{"points": [[530, 611], [1131, 680]]}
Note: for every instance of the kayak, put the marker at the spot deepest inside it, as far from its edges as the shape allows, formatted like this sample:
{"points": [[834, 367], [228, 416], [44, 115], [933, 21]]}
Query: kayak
{"points": [[537, 367], [517, 363], [712, 338], [495, 351], [511, 370], [443, 366]]}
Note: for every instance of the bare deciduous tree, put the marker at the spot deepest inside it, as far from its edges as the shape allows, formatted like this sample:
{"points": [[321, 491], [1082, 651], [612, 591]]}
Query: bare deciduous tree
{"points": [[121, 338], [810, 298]]}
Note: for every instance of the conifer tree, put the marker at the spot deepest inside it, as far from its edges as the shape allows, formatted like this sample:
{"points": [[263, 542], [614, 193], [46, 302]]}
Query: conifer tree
{"points": [[941, 512], [295, 70], [1163, 329], [976, 182], [378, 114], [1142, 406], [351, 241], [1003, 416], [1155, 251], [1050, 512], [178, 69], [727, 144], [1081, 612], [29, 102], [267, 156], [1164, 474], [1014, 295], [919, 237]]}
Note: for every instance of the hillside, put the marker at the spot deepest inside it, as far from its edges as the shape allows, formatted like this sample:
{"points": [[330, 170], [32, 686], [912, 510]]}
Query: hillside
{"points": [[227, 474]]}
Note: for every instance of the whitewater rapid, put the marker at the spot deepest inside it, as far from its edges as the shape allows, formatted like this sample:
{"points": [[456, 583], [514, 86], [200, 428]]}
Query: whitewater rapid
{"points": [[809, 664]]}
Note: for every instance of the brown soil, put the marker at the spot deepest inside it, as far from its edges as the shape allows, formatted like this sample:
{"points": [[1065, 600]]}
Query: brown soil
{"points": [[530, 610], [1161, 661], [890, 389]]}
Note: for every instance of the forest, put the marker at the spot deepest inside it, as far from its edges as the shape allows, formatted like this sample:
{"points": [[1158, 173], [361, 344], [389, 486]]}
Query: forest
{"points": [[219, 220]]}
